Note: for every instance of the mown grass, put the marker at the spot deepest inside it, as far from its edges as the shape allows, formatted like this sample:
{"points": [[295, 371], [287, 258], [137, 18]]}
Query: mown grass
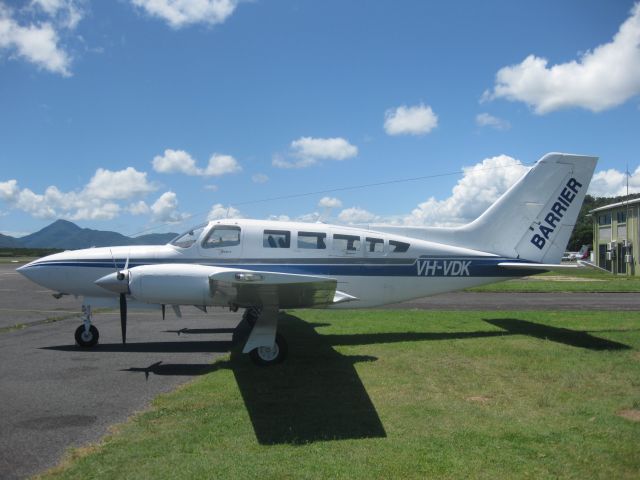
{"points": [[398, 394], [579, 280]]}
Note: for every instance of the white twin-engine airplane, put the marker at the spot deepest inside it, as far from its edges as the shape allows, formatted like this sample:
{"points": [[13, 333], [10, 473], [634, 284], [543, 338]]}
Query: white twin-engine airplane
{"points": [[266, 266]]}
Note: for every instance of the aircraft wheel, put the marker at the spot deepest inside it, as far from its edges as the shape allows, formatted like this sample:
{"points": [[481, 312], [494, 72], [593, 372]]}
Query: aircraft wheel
{"points": [[265, 356], [251, 315], [87, 339]]}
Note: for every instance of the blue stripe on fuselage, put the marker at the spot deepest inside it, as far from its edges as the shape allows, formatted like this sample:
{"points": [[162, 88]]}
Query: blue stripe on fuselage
{"points": [[425, 266]]}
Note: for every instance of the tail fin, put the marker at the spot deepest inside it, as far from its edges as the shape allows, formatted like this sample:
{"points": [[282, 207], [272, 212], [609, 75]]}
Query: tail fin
{"points": [[535, 217], [532, 220]]}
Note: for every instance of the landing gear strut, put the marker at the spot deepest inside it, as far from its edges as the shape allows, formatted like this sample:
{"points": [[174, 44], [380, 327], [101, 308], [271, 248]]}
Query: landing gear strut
{"points": [[251, 315], [86, 334], [264, 345]]}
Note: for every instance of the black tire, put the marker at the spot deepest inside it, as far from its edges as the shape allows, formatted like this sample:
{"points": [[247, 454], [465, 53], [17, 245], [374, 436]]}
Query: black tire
{"points": [[265, 357], [89, 339], [251, 315]]}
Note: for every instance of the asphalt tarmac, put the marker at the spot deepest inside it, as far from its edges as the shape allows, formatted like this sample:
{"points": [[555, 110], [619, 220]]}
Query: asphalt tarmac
{"points": [[55, 395]]}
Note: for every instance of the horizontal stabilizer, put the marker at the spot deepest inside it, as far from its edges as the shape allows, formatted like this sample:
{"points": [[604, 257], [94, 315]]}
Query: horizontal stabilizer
{"points": [[543, 267]]}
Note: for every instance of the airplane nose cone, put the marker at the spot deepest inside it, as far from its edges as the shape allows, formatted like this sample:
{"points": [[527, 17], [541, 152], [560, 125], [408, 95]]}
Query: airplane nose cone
{"points": [[117, 282], [29, 271]]}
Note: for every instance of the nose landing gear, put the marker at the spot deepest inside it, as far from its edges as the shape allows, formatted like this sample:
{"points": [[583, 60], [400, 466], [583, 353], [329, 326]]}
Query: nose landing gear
{"points": [[86, 334]]}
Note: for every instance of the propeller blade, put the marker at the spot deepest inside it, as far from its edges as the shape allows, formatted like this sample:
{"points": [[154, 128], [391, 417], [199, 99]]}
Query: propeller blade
{"points": [[123, 317], [163, 310]]}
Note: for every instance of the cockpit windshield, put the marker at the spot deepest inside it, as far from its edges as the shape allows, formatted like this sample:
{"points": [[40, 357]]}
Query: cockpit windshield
{"points": [[188, 238]]}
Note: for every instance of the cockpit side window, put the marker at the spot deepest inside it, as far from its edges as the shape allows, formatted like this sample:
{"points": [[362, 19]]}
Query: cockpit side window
{"points": [[188, 238], [276, 239], [222, 236], [398, 247]]}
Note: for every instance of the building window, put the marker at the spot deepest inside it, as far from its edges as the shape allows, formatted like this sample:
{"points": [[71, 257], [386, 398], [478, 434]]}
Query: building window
{"points": [[604, 219], [276, 239], [621, 217], [604, 235]]}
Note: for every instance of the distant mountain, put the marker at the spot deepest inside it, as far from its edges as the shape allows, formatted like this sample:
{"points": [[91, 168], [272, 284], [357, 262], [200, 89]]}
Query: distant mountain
{"points": [[8, 242], [69, 236], [154, 239]]}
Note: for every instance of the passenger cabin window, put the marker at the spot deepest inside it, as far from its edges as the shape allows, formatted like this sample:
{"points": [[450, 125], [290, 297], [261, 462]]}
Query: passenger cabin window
{"points": [[348, 243], [276, 239], [312, 240], [222, 236], [188, 238], [398, 247], [375, 245]]}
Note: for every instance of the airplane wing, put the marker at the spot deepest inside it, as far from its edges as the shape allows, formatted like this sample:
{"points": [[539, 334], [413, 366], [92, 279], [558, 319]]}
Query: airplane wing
{"points": [[251, 288], [189, 284]]}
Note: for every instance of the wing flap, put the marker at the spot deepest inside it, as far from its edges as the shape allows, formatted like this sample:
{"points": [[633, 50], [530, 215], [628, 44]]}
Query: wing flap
{"points": [[250, 288]]}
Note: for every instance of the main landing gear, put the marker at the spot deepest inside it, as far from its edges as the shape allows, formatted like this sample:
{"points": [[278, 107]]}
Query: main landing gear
{"points": [[265, 346], [86, 334], [251, 315]]}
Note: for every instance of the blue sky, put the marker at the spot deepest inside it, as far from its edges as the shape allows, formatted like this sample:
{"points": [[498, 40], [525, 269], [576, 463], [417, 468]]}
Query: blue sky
{"points": [[142, 114]]}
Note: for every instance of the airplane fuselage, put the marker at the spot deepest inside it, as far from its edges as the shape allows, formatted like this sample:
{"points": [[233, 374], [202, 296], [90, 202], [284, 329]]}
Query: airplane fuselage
{"points": [[375, 267]]}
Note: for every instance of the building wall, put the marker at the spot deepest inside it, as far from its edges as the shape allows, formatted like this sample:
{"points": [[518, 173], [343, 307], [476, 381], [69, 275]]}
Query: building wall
{"points": [[617, 231]]}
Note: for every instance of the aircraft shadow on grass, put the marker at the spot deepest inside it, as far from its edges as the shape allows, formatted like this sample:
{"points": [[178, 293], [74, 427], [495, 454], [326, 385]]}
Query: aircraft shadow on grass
{"points": [[317, 395]]}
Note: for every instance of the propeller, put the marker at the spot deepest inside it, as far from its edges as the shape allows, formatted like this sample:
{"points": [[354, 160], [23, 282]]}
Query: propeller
{"points": [[118, 282], [124, 275]]}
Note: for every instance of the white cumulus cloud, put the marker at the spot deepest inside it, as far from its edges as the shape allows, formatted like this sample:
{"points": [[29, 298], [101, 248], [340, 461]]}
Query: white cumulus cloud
{"points": [[180, 13], [487, 120], [118, 185], [179, 161], [96, 201], [307, 151], [613, 183], [32, 33], [356, 215], [165, 209], [219, 211], [221, 165], [330, 202], [175, 161], [35, 43], [599, 79], [414, 120], [67, 13], [138, 208], [480, 186]]}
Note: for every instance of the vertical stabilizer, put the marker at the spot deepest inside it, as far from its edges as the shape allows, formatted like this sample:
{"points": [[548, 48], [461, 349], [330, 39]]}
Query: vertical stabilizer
{"points": [[535, 217], [533, 220]]}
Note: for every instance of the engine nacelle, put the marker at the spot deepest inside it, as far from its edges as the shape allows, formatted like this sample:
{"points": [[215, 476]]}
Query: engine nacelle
{"points": [[172, 284]]}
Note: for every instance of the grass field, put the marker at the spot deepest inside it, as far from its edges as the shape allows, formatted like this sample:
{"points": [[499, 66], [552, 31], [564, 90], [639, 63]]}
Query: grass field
{"points": [[398, 394]]}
